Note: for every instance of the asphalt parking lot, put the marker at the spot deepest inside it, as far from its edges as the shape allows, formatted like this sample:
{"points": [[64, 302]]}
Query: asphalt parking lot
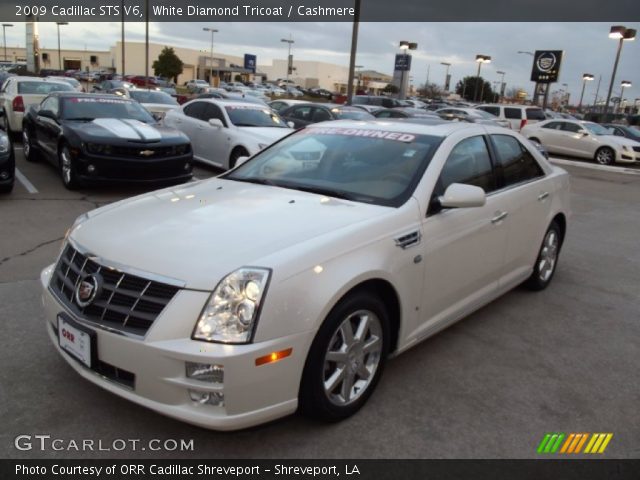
{"points": [[562, 360]]}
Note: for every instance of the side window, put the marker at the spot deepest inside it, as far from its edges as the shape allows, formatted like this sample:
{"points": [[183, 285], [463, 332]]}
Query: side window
{"points": [[553, 125], [195, 110], [468, 163], [512, 113], [320, 115], [277, 106], [384, 114], [515, 161], [492, 110], [213, 111], [302, 113], [571, 127], [51, 104], [618, 133]]}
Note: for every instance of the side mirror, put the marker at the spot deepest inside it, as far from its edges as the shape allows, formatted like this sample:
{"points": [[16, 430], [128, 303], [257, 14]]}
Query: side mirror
{"points": [[460, 195], [241, 160], [290, 124], [216, 122]]}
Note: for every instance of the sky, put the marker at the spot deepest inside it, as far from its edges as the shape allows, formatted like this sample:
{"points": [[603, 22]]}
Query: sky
{"points": [[587, 47]]}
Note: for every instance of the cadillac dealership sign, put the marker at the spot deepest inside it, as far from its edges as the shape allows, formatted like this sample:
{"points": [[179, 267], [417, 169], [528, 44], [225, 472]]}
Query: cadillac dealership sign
{"points": [[546, 66]]}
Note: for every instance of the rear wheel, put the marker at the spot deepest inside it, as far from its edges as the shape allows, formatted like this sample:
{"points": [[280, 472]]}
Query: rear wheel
{"points": [[30, 154], [547, 260], [605, 156], [68, 167], [346, 358]]}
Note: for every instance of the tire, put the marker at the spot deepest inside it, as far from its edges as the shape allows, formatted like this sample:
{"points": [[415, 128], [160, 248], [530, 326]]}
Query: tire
{"points": [[605, 156], [356, 364], [30, 154], [7, 188], [235, 155], [67, 167], [4, 121], [547, 259]]}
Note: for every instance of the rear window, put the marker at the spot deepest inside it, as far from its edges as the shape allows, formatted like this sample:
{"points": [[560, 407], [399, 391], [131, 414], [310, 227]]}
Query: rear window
{"points": [[514, 113], [42, 88], [535, 114], [492, 110]]}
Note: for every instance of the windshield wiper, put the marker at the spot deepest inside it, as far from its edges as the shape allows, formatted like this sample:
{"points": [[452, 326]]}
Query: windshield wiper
{"points": [[245, 125], [322, 191]]}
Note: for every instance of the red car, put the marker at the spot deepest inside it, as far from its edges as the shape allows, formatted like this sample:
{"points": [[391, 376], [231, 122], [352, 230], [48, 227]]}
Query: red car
{"points": [[139, 81]]}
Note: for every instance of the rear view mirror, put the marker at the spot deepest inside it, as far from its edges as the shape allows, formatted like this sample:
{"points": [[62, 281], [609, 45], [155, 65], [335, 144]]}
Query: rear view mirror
{"points": [[215, 122], [460, 195]]}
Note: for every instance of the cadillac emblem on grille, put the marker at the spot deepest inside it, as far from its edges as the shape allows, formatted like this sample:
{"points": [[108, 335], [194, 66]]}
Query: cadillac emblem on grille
{"points": [[87, 289], [147, 153]]}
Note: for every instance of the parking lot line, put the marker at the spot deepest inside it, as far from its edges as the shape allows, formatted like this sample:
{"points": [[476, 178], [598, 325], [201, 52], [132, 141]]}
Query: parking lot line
{"points": [[25, 181], [606, 168]]}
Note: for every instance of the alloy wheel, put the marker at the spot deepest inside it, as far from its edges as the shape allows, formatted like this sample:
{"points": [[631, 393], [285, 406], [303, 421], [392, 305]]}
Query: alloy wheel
{"points": [[26, 142], [548, 255]]}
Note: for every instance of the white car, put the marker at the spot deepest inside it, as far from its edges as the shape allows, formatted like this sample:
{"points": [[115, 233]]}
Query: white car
{"points": [[517, 115], [156, 102], [287, 282], [194, 85], [221, 131], [19, 93], [473, 115], [583, 139]]}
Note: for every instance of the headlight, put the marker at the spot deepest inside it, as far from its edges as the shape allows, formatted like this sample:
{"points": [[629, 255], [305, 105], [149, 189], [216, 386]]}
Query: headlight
{"points": [[97, 149], [232, 309], [4, 144]]}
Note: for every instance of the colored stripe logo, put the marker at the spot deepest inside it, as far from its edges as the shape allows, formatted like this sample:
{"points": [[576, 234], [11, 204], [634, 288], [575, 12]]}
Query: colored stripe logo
{"points": [[574, 443]]}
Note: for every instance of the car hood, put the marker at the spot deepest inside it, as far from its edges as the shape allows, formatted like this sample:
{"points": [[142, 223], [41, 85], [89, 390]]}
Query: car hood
{"points": [[109, 129], [202, 231], [266, 134], [622, 140]]}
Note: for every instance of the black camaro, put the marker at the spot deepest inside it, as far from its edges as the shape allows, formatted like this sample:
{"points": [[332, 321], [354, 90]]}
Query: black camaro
{"points": [[96, 137]]}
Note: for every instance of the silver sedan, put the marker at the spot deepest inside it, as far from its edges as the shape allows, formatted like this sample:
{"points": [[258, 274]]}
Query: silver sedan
{"points": [[472, 115]]}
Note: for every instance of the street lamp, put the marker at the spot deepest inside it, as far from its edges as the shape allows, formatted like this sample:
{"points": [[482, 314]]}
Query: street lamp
{"points": [[290, 42], [4, 37], [620, 33], [446, 76], [59, 54], [480, 59], [586, 77], [624, 84], [213, 31], [501, 83]]}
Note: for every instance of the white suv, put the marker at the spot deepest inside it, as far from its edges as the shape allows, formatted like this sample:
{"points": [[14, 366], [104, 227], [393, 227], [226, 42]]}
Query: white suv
{"points": [[517, 115]]}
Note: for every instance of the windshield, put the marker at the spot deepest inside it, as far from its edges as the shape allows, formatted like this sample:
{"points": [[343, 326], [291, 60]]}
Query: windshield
{"points": [[42, 88], [145, 96], [254, 116], [596, 129], [352, 114], [89, 108], [363, 165]]}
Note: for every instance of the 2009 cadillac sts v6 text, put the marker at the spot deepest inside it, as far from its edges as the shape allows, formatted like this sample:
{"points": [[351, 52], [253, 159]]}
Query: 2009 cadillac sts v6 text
{"points": [[288, 281]]}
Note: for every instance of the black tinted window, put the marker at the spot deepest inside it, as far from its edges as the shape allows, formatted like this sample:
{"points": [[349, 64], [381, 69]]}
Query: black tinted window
{"points": [[571, 127], [513, 113], [301, 113], [195, 110], [515, 161], [553, 125], [535, 114], [212, 111], [468, 163], [320, 115], [492, 110]]}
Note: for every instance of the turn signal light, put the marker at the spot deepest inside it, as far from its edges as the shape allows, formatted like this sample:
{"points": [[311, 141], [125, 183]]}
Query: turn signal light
{"points": [[273, 357]]}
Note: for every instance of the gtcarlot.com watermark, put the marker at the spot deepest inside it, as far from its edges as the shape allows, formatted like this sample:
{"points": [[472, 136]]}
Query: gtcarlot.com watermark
{"points": [[48, 443]]}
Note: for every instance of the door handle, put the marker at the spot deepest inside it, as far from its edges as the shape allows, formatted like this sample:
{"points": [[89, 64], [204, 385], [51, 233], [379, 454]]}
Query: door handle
{"points": [[542, 196], [499, 216]]}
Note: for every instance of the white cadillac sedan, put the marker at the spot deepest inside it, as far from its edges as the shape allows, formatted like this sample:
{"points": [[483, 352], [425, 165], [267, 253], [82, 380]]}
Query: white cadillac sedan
{"points": [[221, 131], [583, 139], [287, 282]]}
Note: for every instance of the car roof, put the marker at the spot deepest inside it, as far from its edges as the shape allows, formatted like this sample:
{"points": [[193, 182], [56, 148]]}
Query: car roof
{"points": [[38, 79], [75, 94], [433, 127], [517, 105], [230, 102]]}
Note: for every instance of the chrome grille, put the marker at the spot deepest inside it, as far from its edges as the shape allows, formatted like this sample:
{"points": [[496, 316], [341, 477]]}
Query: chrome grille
{"points": [[126, 302], [636, 149]]}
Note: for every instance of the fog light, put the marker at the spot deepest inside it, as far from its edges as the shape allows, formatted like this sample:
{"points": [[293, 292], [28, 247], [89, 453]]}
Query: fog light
{"points": [[207, 398], [205, 372], [4, 175], [91, 169]]}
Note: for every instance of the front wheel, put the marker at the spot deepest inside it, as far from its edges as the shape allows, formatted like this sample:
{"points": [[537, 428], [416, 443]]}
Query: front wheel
{"points": [[235, 155], [68, 168], [605, 156], [547, 259], [346, 358], [27, 145]]}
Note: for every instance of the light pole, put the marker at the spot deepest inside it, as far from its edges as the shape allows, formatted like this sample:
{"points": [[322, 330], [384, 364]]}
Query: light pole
{"points": [[59, 54], [213, 31], [566, 95], [620, 33], [480, 59], [4, 37], [122, 40], [502, 74], [624, 84], [290, 42], [354, 50], [446, 76], [586, 77], [359, 74]]}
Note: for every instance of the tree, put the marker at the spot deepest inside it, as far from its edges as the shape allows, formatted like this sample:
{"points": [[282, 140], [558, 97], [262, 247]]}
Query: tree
{"points": [[168, 64], [390, 88], [431, 90], [466, 88]]}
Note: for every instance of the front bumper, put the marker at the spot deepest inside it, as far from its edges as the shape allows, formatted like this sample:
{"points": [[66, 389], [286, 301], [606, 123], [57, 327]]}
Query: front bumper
{"points": [[7, 168], [97, 168], [628, 156], [252, 394]]}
